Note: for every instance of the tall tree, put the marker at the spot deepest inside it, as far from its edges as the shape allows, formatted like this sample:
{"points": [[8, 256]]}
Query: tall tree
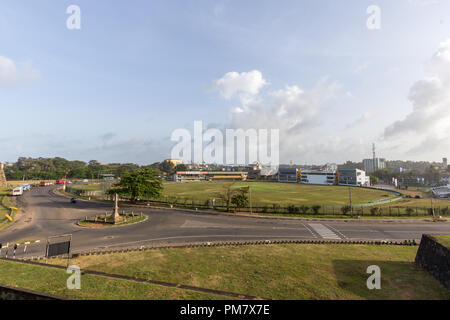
{"points": [[144, 183]]}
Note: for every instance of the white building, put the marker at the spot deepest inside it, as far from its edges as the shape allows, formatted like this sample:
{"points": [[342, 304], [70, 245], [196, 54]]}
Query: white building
{"points": [[441, 192]]}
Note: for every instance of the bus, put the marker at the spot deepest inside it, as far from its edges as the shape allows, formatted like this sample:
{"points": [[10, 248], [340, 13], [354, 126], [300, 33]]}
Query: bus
{"points": [[62, 181]]}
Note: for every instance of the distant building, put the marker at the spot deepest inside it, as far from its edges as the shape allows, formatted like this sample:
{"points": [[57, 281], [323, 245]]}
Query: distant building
{"points": [[370, 166], [444, 163], [288, 175], [108, 177], [331, 167], [186, 176], [399, 169], [353, 177], [175, 162], [441, 192], [318, 177]]}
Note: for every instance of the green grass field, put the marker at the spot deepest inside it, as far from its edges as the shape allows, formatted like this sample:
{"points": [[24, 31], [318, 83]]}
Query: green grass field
{"points": [[288, 271], [268, 193]]}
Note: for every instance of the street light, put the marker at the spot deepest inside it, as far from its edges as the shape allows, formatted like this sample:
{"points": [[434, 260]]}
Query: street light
{"points": [[350, 197]]}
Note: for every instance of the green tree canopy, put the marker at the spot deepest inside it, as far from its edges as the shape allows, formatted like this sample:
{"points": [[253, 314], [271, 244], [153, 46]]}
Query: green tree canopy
{"points": [[144, 183]]}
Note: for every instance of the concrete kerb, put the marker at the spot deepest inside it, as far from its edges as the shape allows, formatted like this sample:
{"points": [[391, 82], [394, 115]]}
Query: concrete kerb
{"points": [[412, 242], [112, 226]]}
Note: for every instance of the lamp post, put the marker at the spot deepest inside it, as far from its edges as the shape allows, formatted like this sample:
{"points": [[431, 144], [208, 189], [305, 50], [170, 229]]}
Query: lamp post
{"points": [[350, 198], [432, 205]]}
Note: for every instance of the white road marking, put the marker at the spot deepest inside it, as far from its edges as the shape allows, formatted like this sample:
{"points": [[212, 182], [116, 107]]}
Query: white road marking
{"points": [[323, 231], [312, 233], [337, 231]]}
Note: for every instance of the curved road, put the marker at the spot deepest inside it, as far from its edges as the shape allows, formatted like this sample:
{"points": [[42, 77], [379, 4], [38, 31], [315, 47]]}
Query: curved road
{"points": [[45, 214]]}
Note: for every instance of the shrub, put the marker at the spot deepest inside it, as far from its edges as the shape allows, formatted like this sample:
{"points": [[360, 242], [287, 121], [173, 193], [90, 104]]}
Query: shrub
{"points": [[292, 209], [240, 200], [276, 208], [315, 209], [345, 210], [409, 211], [374, 211], [304, 209]]}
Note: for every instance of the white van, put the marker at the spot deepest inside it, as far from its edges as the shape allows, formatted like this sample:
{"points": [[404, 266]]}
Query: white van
{"points": [[18, 191]]}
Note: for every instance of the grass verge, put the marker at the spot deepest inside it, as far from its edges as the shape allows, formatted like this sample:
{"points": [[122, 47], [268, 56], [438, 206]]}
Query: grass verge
{"points": [[4, 208], [289, 271], [53, 281], [99, 224], [445, 240]]}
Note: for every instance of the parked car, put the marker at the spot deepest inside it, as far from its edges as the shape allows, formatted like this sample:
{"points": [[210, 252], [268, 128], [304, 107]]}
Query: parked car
{"points": [[18, 191], [73, 200]]}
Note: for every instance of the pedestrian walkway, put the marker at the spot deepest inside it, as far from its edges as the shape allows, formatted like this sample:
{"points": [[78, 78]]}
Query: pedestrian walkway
{"points": [[323, 231]]}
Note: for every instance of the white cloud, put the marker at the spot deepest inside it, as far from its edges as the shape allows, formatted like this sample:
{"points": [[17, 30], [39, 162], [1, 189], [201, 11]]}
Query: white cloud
{"points": [[360, 121], [423, 3], [12, 74], [426, 129], [298, 114], [233, 83], [360, 68]]}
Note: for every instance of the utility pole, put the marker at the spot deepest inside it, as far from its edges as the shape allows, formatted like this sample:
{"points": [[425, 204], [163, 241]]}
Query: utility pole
{"points": [[250, 196], [432, 205], [350, 197], [375, 164]]}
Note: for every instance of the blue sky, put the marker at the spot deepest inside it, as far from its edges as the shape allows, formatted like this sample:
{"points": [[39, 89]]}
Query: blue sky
{"points": [[116, 89]]}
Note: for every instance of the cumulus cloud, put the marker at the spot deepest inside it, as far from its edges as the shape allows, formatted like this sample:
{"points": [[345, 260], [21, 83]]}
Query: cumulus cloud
{"points": [[423, 3], [234, 83], [296, 112], [360, 121], [12, 74], [427, 127]]}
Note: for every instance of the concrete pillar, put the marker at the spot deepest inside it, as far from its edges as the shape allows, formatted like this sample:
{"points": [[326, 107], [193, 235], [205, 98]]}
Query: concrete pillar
{"points": [[116, 208], [2, 176]]}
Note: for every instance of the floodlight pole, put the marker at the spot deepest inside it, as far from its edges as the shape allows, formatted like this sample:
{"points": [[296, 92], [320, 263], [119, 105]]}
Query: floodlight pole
{"points": [[350, 197], [432, 206], [250, 193]]}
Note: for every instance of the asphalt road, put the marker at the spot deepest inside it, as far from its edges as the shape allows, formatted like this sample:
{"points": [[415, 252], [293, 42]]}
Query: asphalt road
{"points": [[45, 214]]}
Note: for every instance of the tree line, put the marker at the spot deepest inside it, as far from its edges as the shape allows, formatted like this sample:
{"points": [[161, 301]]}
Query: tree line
{"points": [[58, 168]]}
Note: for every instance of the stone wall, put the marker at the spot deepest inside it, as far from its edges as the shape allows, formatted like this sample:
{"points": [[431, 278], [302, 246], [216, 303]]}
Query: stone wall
{"points": [[9, 293], [434, 258], [2, 176]]}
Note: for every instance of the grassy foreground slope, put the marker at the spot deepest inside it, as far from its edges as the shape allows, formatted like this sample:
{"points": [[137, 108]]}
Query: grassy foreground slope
{"points": [[53, 281], [445, 240], [268, 193], [289, 271]]}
